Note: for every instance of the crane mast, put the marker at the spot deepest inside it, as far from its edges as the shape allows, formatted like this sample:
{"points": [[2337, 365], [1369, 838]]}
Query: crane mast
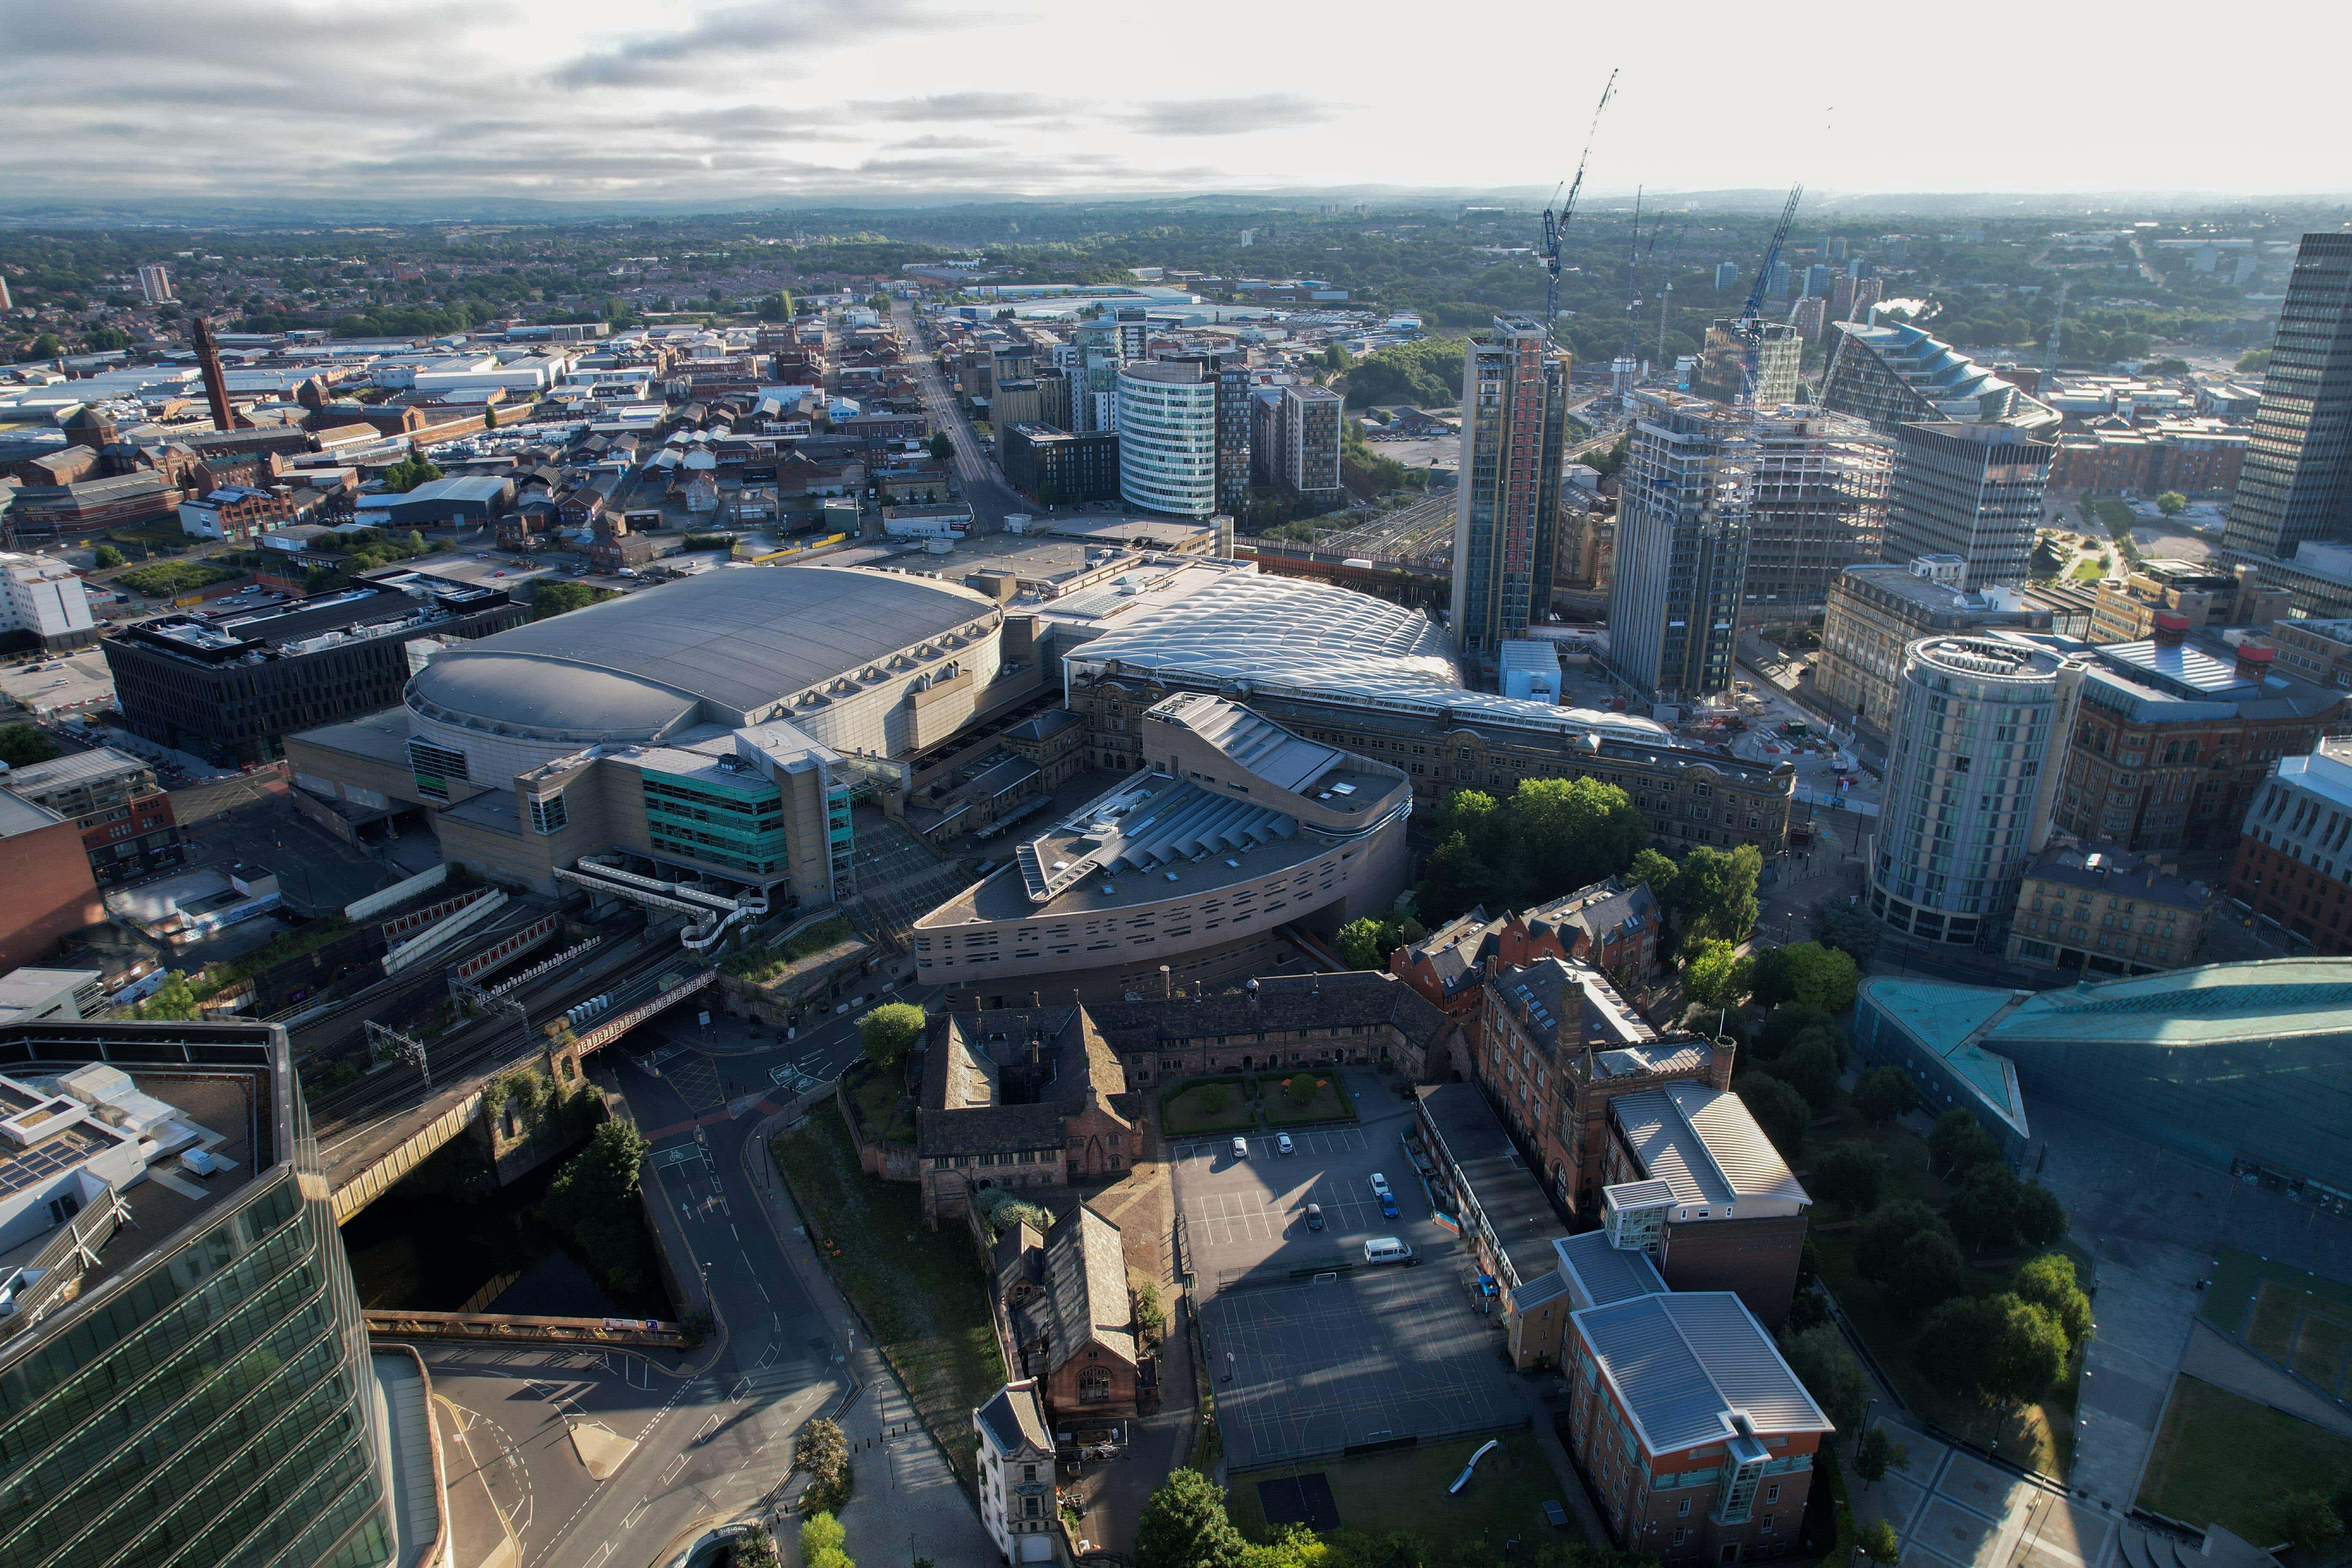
{"points": [[1751, 316], [1555, 225]]}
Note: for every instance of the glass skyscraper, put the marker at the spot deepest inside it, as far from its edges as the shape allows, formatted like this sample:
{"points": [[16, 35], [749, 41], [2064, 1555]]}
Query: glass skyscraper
{"points": [[2296, 486], [1514, 413], [184, 1374]]}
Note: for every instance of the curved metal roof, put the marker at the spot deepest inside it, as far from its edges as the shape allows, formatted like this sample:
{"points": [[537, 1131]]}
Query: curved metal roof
{"points": [[739, 639]]}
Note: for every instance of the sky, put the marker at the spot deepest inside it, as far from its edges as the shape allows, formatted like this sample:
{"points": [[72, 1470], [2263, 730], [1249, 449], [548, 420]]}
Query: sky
{"points": [[686, 101]]}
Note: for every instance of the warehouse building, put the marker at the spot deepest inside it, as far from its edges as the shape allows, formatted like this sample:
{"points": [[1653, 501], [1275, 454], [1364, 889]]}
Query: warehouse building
{"points": [[233, 682]]}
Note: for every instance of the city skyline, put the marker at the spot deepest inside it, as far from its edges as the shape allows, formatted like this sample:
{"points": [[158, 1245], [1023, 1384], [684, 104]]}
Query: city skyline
{"points": [[282, 100]]}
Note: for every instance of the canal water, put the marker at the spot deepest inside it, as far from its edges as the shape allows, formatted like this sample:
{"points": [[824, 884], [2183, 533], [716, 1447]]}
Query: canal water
{"points": [[428, 1252]]}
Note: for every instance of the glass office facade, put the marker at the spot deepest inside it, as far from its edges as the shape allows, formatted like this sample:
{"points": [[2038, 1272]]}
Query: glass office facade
{"points": [[741, 826], [207, 1402]]}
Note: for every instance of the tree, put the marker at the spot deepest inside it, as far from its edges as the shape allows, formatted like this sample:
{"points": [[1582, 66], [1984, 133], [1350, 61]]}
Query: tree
{"points": [[2305, 1519], [1811, 1067], [1878, 1242], [1928, 1270], [1785, 1024], [550, 599], [940, 447], [1848, 930], [2049, 1282], [1659, 871], [1150, 1311], [1718, 891], [1882, 1094], [822, 1542], [107, 558], [1879, 1543], [489, 417], [2172, 503], [889, 1032], [1818, 977], [1956, 1143], [174, 999], [1983, 1212], [2030, 1349], [2040, 1218], [1715, 976], [2249, 361], [22, 745], [1301, 1087], [593, 1199], [822, 1451], [1819, 1357], [1574, 832], [1184, 1526], [1876, 1454], [1954, 1345], [1780, 1110], [1359, 945], [1847, 1174]]}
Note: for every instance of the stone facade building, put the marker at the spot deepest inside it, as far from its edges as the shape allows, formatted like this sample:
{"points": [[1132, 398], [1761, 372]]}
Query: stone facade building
{"points": [[2097, 911], [1063, 1310], [1019, 1098], [1876, 612], [1015, 1469], [2291, 866], [1556, 1043], [1278, 1021]]}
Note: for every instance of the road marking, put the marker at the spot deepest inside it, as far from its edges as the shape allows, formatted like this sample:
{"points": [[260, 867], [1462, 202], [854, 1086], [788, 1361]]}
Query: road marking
{"points": [[629, 1520]]}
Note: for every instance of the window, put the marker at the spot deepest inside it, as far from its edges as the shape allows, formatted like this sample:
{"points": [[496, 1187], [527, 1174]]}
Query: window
{"points": [[548, 813], [1094, 1385]]}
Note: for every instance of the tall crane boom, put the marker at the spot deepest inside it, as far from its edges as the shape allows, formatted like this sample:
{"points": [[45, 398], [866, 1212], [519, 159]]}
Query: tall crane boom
{"points": [[1755, 307], [1556, 224]]}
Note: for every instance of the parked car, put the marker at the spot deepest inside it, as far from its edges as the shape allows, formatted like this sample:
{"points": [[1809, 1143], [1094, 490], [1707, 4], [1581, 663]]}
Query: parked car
{"points": [[1241, 1148], [1283, 1145], [1315, 1217], [1388, 1198]]}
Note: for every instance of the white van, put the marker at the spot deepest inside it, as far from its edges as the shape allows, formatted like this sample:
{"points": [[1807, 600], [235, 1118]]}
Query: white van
{"points": [[1387, 1249]]}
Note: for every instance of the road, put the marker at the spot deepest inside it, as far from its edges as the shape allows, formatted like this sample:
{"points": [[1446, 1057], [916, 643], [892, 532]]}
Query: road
{"points": [[989, 497]]}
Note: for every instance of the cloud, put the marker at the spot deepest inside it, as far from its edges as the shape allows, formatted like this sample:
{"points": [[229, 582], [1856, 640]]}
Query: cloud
{"points": [[764, 28], [949, 107], [1230, 116], [943, 144]]}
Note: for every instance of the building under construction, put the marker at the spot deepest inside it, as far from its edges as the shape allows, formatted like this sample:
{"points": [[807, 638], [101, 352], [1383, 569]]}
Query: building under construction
{"points": [[1729, 358], [1817, 504]]}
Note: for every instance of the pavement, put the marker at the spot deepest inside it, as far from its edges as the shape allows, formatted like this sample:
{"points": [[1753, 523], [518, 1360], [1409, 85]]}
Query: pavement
{"points": [[1951, 1510]]}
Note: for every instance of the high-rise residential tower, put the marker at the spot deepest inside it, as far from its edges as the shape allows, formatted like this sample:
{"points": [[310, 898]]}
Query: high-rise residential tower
{"points": [[1307, 442], [1682, 547], [155, 283], [185, 1379], [1234, 435], [1168, 437], [1979, 737], [2296, 486], [1513, 427]]}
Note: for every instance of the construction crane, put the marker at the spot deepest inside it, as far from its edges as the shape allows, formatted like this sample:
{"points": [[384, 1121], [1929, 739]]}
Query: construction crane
{"points": [[1667, 286], [1751, 315], [1555, 225], [1632, 359]]}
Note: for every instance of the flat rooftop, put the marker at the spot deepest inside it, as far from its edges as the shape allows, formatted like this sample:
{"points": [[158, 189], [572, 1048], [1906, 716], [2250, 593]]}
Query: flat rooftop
{"points": [[227, 1085]]}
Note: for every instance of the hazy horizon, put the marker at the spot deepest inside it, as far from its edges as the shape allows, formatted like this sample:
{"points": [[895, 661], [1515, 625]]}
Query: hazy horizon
{"points": [[679, 106]]}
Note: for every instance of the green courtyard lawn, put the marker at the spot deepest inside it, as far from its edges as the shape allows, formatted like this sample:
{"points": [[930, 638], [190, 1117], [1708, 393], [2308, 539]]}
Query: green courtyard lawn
{"points": [[1406, 1489], [2220, 1459], [1329, 1104], [920, 1292], [1213, 1105]]}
